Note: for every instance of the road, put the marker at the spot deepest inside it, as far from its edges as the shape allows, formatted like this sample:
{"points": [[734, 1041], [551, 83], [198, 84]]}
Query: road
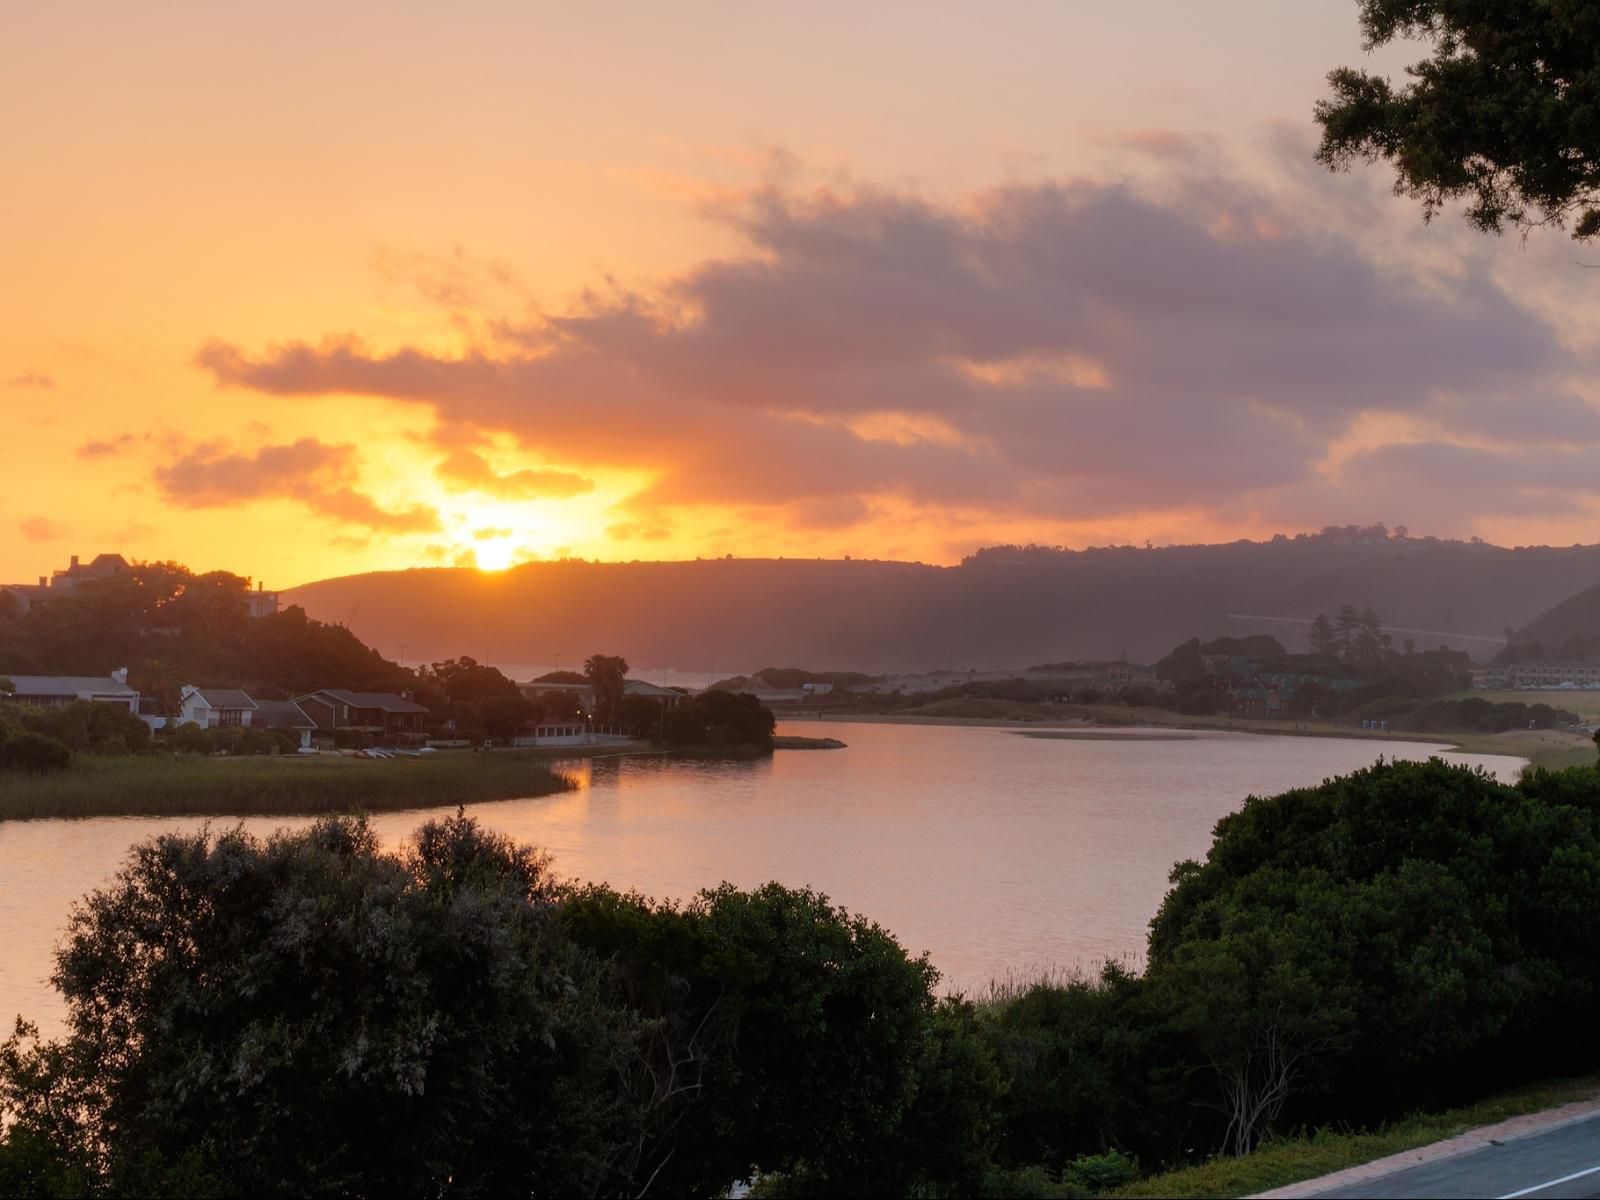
{"points": [[1562, 1163]]}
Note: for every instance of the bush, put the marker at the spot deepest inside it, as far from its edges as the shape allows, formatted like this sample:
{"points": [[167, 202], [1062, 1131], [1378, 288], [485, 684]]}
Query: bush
{"points": [[31, 753], [427, 1030], [721, 722]]}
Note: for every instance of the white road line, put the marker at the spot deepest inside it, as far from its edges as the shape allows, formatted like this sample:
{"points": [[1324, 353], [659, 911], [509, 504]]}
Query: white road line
{"points": [[1539, 1187]]}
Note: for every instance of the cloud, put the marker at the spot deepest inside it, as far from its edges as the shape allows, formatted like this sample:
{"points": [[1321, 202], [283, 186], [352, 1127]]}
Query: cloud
{"points": [[1054, 351], [105, 447], [32, 379], [468, 469], [40, 529], [311, 472]]}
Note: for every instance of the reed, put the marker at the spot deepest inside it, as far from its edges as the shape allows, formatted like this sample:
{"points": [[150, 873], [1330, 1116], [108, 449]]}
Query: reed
{"points": [[170, 785]]}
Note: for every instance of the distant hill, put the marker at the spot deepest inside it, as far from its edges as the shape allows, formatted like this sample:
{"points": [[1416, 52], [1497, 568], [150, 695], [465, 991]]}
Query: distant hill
{"points": [[1005, 606], [1569, 630]]}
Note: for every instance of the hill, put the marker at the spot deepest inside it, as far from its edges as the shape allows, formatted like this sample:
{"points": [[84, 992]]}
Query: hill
{"points": [[1004, 606], [1569, 630]]}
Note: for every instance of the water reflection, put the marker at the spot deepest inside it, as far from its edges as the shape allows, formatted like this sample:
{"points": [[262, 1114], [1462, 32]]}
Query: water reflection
{"points": [[996, 853]]}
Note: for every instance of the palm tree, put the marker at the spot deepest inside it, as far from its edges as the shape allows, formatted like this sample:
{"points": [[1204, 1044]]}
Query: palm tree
{"points": [[607, 675]]}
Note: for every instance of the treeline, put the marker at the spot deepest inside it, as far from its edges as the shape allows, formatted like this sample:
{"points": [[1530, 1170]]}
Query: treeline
{"points": [[170, 626], [1409, 935]]}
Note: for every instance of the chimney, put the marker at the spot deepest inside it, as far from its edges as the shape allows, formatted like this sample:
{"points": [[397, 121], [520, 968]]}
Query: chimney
{"points": [[120, 674], [42, 581], [74, 562]]}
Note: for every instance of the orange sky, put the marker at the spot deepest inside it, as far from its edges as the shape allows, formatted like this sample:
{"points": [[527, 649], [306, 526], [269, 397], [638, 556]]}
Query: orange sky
{"points": [[298, 292]]}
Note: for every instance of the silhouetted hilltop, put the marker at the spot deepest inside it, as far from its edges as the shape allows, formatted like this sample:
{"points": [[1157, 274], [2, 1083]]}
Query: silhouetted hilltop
{"points": [[1004, 606], [1570, 630]]}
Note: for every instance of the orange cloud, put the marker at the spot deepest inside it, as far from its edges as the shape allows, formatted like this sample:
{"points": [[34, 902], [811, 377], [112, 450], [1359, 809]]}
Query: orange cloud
{"points": [[469, 469], [308, 471]]}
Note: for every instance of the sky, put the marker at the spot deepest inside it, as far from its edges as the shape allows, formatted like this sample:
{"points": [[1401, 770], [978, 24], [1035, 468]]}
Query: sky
{"points": [[302, 290]]}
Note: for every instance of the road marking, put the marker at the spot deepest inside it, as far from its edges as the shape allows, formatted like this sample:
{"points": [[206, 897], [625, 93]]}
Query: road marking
{"points": [[1539, 1187]]}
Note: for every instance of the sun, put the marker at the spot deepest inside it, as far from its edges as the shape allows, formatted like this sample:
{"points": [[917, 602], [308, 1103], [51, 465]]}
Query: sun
{"points": [[494, 555]]}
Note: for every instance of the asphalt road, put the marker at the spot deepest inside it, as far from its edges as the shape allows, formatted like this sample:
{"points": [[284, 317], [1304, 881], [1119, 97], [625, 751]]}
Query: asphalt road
{"points": [[1564, 1162]]}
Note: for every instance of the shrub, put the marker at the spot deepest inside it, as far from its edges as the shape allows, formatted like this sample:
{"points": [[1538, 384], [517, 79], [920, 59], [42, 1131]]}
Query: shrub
{"points": [[31, 753]]}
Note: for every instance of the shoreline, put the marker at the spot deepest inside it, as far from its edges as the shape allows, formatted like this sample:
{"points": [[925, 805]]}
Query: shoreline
{"points": [[1546, 748]]}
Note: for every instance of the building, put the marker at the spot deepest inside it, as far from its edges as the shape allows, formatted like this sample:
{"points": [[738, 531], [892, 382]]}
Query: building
{"points": [[215, 708], [57, 691], [285, 714], [260, 603], [1570, 674], [382, 715], [63, 583], [585, 694]]}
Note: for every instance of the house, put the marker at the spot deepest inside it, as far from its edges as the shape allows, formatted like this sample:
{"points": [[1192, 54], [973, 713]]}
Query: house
{"points": [[376, 714], [285, 714], [57, 691], [260, 603], [61, 583], [154, 713], [213, 708], [104, 566]]}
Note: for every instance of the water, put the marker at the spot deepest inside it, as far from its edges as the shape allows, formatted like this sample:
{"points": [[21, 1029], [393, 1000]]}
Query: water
{"points": [[999, 854]]}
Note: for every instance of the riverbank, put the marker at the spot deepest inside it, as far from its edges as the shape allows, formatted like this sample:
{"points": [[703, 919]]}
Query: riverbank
{"points": [[192, 785], [1549, 748]]}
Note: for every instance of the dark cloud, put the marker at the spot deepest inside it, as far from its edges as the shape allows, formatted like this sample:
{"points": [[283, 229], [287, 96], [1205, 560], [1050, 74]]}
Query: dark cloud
{"points": [[311, 472], [1069, 351], [465, 468]]}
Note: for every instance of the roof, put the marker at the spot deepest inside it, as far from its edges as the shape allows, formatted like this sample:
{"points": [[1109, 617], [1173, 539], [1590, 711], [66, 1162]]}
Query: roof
{"points": [[387, 701], [281, 714], [225, 698], [68, 685], [638, 687]]}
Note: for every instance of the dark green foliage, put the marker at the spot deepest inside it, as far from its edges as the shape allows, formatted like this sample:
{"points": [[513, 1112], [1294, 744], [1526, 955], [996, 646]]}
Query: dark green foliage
{"points": [[607, 674], [1412, 928], [83, 725], [786, 1035], [1504, 114], [720, 722], [171, 627], [641, 716], [31, 753], [310, 1015], [1083, 1065], [190, 738]]}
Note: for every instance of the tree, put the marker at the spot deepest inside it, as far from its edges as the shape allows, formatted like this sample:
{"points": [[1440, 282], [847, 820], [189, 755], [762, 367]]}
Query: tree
{"points": [[1345, 626], [607, 675], [1322, 637], [641, 716], [1367, 646], [1503, 113], [312, 1015]]}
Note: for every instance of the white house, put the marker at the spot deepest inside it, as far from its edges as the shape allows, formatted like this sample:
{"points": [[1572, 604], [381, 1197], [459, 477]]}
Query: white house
{"points": [[210, 708], [57, 691]]}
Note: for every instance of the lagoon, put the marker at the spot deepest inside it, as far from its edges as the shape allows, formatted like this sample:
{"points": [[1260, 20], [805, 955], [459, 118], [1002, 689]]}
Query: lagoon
{"points": [[1000, 855]]}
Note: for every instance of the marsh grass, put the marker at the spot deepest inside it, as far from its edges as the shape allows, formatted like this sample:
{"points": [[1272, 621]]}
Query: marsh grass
{"points": [[1293, 1159], [172, 785]]}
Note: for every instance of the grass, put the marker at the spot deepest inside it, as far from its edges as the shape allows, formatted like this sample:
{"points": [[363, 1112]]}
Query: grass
{"points": [[166, 785], [1292, 1159]]}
